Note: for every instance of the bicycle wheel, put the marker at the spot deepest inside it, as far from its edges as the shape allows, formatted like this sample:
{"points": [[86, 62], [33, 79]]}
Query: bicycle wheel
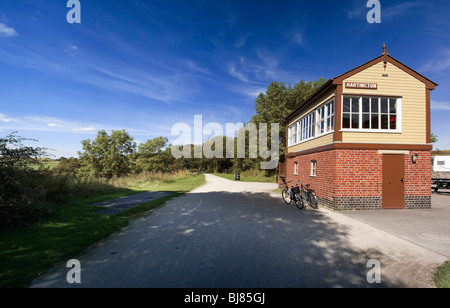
{"points": [[286, 196], [313, 201], [299, 202]]}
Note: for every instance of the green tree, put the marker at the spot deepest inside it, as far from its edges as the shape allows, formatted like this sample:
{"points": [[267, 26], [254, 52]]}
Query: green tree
{"points": [[434, 138], [275, 105], [22, 189], [281, 100], [67, 166], [154, 155], [107, 156], [215, 154], [192, 163]]}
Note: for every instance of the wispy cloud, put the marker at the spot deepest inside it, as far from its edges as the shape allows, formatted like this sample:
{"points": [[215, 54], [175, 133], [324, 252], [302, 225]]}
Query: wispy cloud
{"points": [[241, 40], [253, 76], [45, 123], [162, 88], [48, 121], [236, 73], [70, 49], [149, 79], [360, 10], [195, 67], [7, 31], [400, 9], [440, 63], [439, 105], [250, 91], [5, 119], [52, 124], [297, 38], [251, 71], [85, 129]]}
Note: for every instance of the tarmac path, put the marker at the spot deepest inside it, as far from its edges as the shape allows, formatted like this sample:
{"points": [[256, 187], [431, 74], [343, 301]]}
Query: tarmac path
{"points": [[229, 234]]}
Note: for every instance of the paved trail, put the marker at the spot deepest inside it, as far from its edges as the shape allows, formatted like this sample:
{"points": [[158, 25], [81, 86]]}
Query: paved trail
{"points": [[236, 234]]}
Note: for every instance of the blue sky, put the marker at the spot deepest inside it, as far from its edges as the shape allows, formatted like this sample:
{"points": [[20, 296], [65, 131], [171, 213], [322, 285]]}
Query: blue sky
{"points": [[145, 65]]}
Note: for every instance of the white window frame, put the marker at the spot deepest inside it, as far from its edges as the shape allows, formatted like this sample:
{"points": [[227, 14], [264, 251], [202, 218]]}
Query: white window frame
{"points": [[327, 115], [313, 168], [296, 168], [399, 115], [306, 128], [301, 130]]}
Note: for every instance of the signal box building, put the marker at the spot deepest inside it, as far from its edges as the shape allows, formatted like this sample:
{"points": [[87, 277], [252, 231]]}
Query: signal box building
{"points": [[363, 140]]}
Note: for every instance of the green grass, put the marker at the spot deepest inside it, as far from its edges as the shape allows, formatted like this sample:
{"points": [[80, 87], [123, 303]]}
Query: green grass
{"points": [[440, 153], [249, 177], [27, 253], [442, 276], [48, 164]]}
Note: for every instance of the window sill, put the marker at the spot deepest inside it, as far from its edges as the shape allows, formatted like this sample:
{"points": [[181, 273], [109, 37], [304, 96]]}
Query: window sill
{"points": [[310, 139], [384, 131]]}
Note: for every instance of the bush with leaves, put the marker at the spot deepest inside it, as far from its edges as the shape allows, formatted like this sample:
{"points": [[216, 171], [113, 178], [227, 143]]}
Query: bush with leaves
{"points": [[21, 187], [107, 156], [153, 156]]}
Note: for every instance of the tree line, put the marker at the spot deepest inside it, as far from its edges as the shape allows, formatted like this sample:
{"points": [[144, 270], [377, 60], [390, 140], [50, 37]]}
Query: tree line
{"points": [[26, 193], [117, 154]]}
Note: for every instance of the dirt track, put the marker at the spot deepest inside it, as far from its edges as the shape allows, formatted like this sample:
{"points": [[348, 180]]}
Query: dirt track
{"points": [[236, 234]]}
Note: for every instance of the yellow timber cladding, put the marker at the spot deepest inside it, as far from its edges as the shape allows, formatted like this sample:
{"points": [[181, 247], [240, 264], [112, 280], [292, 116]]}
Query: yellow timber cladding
{"points": [[391, 81], [413, 106], [319, 141]]}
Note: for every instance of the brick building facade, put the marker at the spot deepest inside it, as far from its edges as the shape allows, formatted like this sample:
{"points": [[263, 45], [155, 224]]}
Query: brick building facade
{"points": [[363, 140]]}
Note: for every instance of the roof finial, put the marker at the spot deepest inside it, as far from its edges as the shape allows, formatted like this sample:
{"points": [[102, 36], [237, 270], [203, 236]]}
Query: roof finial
{"points": [[384, 50]]}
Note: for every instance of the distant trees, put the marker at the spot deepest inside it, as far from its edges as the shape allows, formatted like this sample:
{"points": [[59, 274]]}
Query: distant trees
{"points": [[281, 100], [116, 155], [154, 155]]}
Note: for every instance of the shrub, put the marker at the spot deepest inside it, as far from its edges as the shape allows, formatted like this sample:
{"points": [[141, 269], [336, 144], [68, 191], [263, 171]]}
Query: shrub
{"points": [[21, 189]]}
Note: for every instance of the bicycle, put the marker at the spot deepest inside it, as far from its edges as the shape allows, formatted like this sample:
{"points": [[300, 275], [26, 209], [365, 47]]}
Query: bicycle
{"points": [[309, 196], [290, 195]]}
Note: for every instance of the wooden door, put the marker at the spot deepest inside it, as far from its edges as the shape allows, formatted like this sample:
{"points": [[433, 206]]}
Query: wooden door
{"points": [[393, 181]]}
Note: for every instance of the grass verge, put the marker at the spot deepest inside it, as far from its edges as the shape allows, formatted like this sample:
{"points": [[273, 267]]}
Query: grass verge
{"points": [[442, 276], [249, 177], [29, 252]]}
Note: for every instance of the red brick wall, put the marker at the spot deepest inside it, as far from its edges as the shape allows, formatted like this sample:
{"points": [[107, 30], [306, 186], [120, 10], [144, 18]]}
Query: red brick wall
{"points": [[323, 182], [418, 176], [357, 174]]}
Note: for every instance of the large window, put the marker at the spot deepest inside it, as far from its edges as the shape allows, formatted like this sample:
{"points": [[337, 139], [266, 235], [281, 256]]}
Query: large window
{"points": [[315, 124], [306, 130], [325, 118], [294, 135], [370, 113]]}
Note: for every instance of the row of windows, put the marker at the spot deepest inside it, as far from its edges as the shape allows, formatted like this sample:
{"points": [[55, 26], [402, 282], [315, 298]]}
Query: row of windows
{"points": [[315, 124], [313, 168], [358, 113], [369, 113]]}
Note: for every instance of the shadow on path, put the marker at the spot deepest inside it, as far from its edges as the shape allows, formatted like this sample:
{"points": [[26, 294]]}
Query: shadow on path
{"points": [[226, 240], [119, 205]]}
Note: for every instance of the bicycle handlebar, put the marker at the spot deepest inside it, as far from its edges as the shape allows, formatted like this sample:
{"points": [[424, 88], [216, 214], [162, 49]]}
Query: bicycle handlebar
{"points": [[298, 182]]}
